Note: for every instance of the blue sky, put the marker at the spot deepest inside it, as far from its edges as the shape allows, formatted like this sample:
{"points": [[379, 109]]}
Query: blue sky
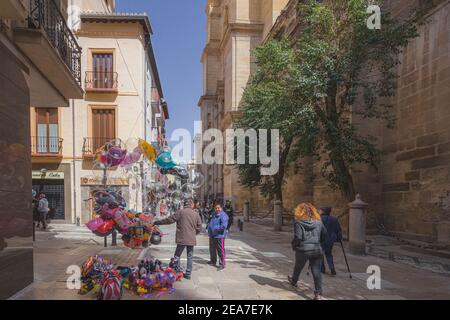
{"points": [[179, 34]]}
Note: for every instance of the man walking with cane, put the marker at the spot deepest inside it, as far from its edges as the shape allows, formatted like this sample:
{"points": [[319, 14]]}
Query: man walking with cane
{"points": [[334, 234]]}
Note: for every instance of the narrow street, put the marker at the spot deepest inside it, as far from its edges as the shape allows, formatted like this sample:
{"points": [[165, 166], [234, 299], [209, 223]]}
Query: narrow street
{"points": [[259, 261]]}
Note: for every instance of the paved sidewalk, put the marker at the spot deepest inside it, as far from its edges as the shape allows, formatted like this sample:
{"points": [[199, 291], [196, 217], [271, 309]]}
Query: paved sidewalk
{"points": [[259, 260]]}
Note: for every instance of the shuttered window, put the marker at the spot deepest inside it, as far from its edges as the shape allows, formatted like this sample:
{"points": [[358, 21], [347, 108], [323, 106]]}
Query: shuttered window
{"points": [[103, 70], [103, 126]]}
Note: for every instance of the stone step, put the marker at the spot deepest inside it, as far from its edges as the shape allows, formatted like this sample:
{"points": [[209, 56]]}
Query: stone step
{"points": [[411, 256]]}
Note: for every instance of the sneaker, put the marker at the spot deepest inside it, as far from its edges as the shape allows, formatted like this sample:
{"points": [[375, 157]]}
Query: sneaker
{"points": [[317, 296], [333, 272], [187, 276], [211, 263], [291, 282], [221, 268]]}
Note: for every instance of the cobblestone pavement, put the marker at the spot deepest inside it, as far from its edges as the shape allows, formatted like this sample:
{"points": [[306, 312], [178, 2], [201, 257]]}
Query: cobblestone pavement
{"points": [[259, 261]]}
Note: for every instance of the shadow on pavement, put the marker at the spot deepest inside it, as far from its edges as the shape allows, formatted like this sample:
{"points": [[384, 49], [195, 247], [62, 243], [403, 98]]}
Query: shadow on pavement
{"points": [[263, 281]]}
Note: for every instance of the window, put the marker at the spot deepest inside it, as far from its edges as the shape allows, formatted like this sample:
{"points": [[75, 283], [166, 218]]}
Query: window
{"points": [[103, 70], [103, 126], [47, 132]]}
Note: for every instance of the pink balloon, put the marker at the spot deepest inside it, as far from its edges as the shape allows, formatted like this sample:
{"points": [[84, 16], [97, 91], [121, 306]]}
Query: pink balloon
{"points": [[132, 157], [94, 224]]}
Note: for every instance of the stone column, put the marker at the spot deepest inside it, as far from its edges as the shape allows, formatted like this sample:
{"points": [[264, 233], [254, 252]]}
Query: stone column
{"points": [[277, 215], [247, 211], [357, 226]]}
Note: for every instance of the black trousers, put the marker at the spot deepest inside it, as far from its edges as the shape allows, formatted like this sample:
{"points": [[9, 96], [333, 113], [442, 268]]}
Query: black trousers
{"points": [[217, 247], [328, 251], [315, 263]]}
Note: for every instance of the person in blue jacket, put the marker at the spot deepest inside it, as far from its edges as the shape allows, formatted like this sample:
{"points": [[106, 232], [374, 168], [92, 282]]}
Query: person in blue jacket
{"points": [[217, 231]]}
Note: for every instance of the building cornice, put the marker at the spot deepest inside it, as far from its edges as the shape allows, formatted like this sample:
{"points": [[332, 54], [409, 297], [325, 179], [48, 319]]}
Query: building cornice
{"points": [[206, 98], [229, 117], [212, 48], [239, 27]]}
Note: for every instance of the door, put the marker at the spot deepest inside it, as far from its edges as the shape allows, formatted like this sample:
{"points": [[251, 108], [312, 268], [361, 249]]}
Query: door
{"points": [[54, 192]]}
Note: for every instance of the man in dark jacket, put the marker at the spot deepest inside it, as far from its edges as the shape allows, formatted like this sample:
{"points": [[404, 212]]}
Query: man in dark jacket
{"points": [[217, 231], [334, 234], [189, 226], [230, 213]]}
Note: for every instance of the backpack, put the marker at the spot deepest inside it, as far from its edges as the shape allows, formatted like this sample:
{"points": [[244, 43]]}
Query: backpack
{"points": [[309, 244]]}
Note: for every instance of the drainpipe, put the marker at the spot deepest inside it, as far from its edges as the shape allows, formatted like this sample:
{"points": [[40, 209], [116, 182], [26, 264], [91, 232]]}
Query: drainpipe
{"points": [[77, 219]]}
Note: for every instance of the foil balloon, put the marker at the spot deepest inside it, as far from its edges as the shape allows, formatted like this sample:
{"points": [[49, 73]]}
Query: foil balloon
{"points": [[187, 191], [178, 171], [132, 157], [105, 229], [164, 160], [148, 150], [116, 155], [94, 224], [197, 180]]}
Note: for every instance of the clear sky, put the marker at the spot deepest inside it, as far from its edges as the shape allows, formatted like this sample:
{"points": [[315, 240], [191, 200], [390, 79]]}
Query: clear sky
{"points": [[179, 34]]}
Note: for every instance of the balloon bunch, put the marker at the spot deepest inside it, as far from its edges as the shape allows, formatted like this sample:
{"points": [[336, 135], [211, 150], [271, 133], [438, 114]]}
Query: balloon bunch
{"points": [[114, 153], [137, 229], [99, 277], [107, 283]]}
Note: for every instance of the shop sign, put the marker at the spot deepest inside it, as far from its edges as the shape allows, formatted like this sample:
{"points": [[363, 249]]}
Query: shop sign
{"points": [[48, 175], [90, 181]]}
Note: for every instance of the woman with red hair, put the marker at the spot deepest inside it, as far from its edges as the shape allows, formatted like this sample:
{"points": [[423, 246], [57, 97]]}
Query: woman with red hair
{"points": [[309, 235]]}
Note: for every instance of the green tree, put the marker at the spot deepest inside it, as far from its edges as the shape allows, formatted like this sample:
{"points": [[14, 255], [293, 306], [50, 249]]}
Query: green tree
{"points": [[311, 87], [272, 101]]}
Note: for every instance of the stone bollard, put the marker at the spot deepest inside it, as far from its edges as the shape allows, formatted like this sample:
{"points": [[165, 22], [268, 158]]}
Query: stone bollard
{"points": [[247, 211], [357, 226], [277, 215]]}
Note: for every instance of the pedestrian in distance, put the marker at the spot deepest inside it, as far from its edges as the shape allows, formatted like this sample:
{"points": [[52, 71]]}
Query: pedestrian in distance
{"points": [[230, 213], [309, 236], [34, 204], [189, 226], [334, 234], [208, 211], [217, 232], [198, 209], [42, 210]]}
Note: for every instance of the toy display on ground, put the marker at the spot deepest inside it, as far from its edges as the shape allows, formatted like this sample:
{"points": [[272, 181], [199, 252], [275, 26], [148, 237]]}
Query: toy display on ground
{"points": [[149, 278]]}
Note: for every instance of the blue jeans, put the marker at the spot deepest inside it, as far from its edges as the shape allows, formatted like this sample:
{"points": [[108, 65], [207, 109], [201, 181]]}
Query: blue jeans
{"points": [[314, 263], [190, 256]]}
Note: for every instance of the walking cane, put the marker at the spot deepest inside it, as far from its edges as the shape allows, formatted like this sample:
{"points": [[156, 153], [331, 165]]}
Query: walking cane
{"points": [[345, 257]]}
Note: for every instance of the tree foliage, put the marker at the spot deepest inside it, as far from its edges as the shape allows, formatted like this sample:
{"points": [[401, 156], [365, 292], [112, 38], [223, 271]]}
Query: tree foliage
{"points": [[312, 87]]}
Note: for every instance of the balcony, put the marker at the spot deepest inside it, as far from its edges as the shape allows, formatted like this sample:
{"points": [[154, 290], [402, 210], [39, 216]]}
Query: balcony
{"points": [[101, 81], [46, 147], [50, 45], [91, 145]]}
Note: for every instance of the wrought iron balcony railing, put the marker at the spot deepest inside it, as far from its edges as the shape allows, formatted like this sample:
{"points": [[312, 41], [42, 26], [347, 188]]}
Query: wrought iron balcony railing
{"points": [[101, 81], [46, 146], [45, 15], [91, 145]]}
